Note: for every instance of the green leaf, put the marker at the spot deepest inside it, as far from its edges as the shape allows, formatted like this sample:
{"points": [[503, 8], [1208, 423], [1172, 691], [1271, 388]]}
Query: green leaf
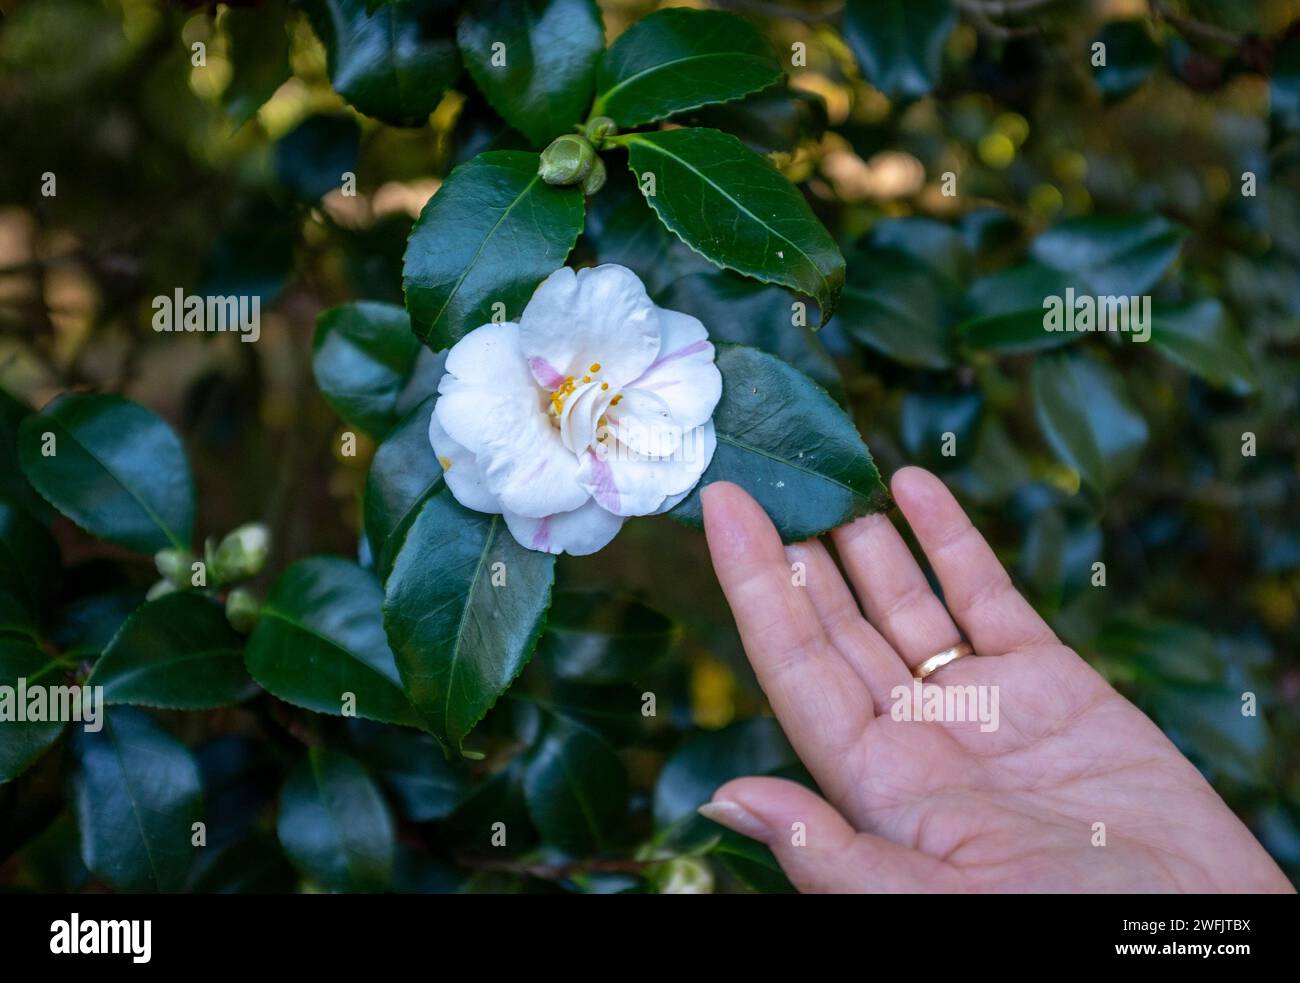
{"points": [[116, 470], [898, 44], [743, 312], [320, 636], [1198, 336], [709, 760], [1206, 722], [29, 563], [675, 60], [551, 48], [334, 824], [770, 233], [1086, 417], [177, 652], [621, 229], [136, 794], [259, 58], [575, 785], [1111, 255], [463, 609], [489, 236], [23, 741], [893, 304], [776, 119], [596, 636], [14, 485], [403, 474], [1131, 58], [412, 766], [394, 64], [1005, 311], [364, 356], [784, 440]]}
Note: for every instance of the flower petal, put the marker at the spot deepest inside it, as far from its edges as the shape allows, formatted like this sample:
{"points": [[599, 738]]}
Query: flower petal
{"points": [[460, 471], [683, 373], [579, 532], [707, 439], [643, 421], [627, 483], [597, 316]]}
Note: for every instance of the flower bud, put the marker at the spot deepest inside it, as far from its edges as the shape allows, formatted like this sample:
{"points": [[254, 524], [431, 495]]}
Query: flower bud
{"points": [[595, 179], [567, 160], [160, 589], [242, 554], [600, 128], [174, 565], [242, 610], [685, 875]]}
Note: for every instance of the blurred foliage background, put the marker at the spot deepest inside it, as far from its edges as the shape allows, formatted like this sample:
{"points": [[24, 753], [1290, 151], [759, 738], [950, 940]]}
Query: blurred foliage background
{"points": [[223, 178]]}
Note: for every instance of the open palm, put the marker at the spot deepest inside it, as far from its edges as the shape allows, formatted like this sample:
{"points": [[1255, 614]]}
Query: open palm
{"points": [[1075, 790]]}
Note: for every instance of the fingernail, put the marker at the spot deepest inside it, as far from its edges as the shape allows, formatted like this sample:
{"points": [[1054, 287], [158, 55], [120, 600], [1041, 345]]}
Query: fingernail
{"points": [[735, 817]]}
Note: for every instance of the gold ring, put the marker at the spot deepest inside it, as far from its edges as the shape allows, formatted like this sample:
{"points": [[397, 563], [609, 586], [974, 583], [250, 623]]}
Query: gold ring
{"points": [[941, 659]]}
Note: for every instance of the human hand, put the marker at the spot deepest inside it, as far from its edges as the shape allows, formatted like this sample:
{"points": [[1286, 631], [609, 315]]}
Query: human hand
{"points": [[946, 806]]}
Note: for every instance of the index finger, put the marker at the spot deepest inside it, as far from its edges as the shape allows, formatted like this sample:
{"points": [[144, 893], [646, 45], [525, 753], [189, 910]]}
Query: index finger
{"points": [[822, 704]]}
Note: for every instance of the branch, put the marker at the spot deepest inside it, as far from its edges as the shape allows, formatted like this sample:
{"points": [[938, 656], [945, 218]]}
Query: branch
{"points": [[1194, 28]]}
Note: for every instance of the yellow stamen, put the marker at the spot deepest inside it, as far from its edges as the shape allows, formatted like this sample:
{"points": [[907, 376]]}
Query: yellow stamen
{"points": [[445, 462], [595, 367], [604, 386], [586, 378], [614, 401]]}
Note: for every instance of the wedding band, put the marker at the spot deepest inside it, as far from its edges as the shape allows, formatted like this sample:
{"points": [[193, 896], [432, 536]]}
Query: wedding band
{"points": [[941, 659]]}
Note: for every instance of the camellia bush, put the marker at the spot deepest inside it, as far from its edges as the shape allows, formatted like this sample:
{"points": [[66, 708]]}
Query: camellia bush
{"points": [[364, 361]]}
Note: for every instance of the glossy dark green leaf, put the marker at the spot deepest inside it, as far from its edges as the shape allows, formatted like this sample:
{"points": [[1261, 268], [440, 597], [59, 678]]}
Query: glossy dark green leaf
{"points": [[784, 440], [706, 762], [1005, 310], [403, 474], [364, 356], [136, 794], [1132, 57], [778, 118], [424, 784], [893, 304], [898, 44], [602, 637], [743, 312], [335, 825], [1111, 255], [14, 485], [621, 229], [29, 562], [542, 81], [256, 865], [575, 785], [463, 608], [677, 59], [1198, 336], [176, 652], [117, 470], [752, 864], [934, 244], [312, 158], [321, 636], [770, 234], [23, 741], [489, 236], [394, 64], [259, 58], [1085, 414]]}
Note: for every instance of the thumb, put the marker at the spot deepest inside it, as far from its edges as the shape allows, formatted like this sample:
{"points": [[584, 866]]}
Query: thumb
{"points": [[816, 847]]}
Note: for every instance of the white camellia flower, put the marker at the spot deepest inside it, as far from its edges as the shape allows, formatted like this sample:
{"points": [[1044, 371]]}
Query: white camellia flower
{"points": [[597, 405]]}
